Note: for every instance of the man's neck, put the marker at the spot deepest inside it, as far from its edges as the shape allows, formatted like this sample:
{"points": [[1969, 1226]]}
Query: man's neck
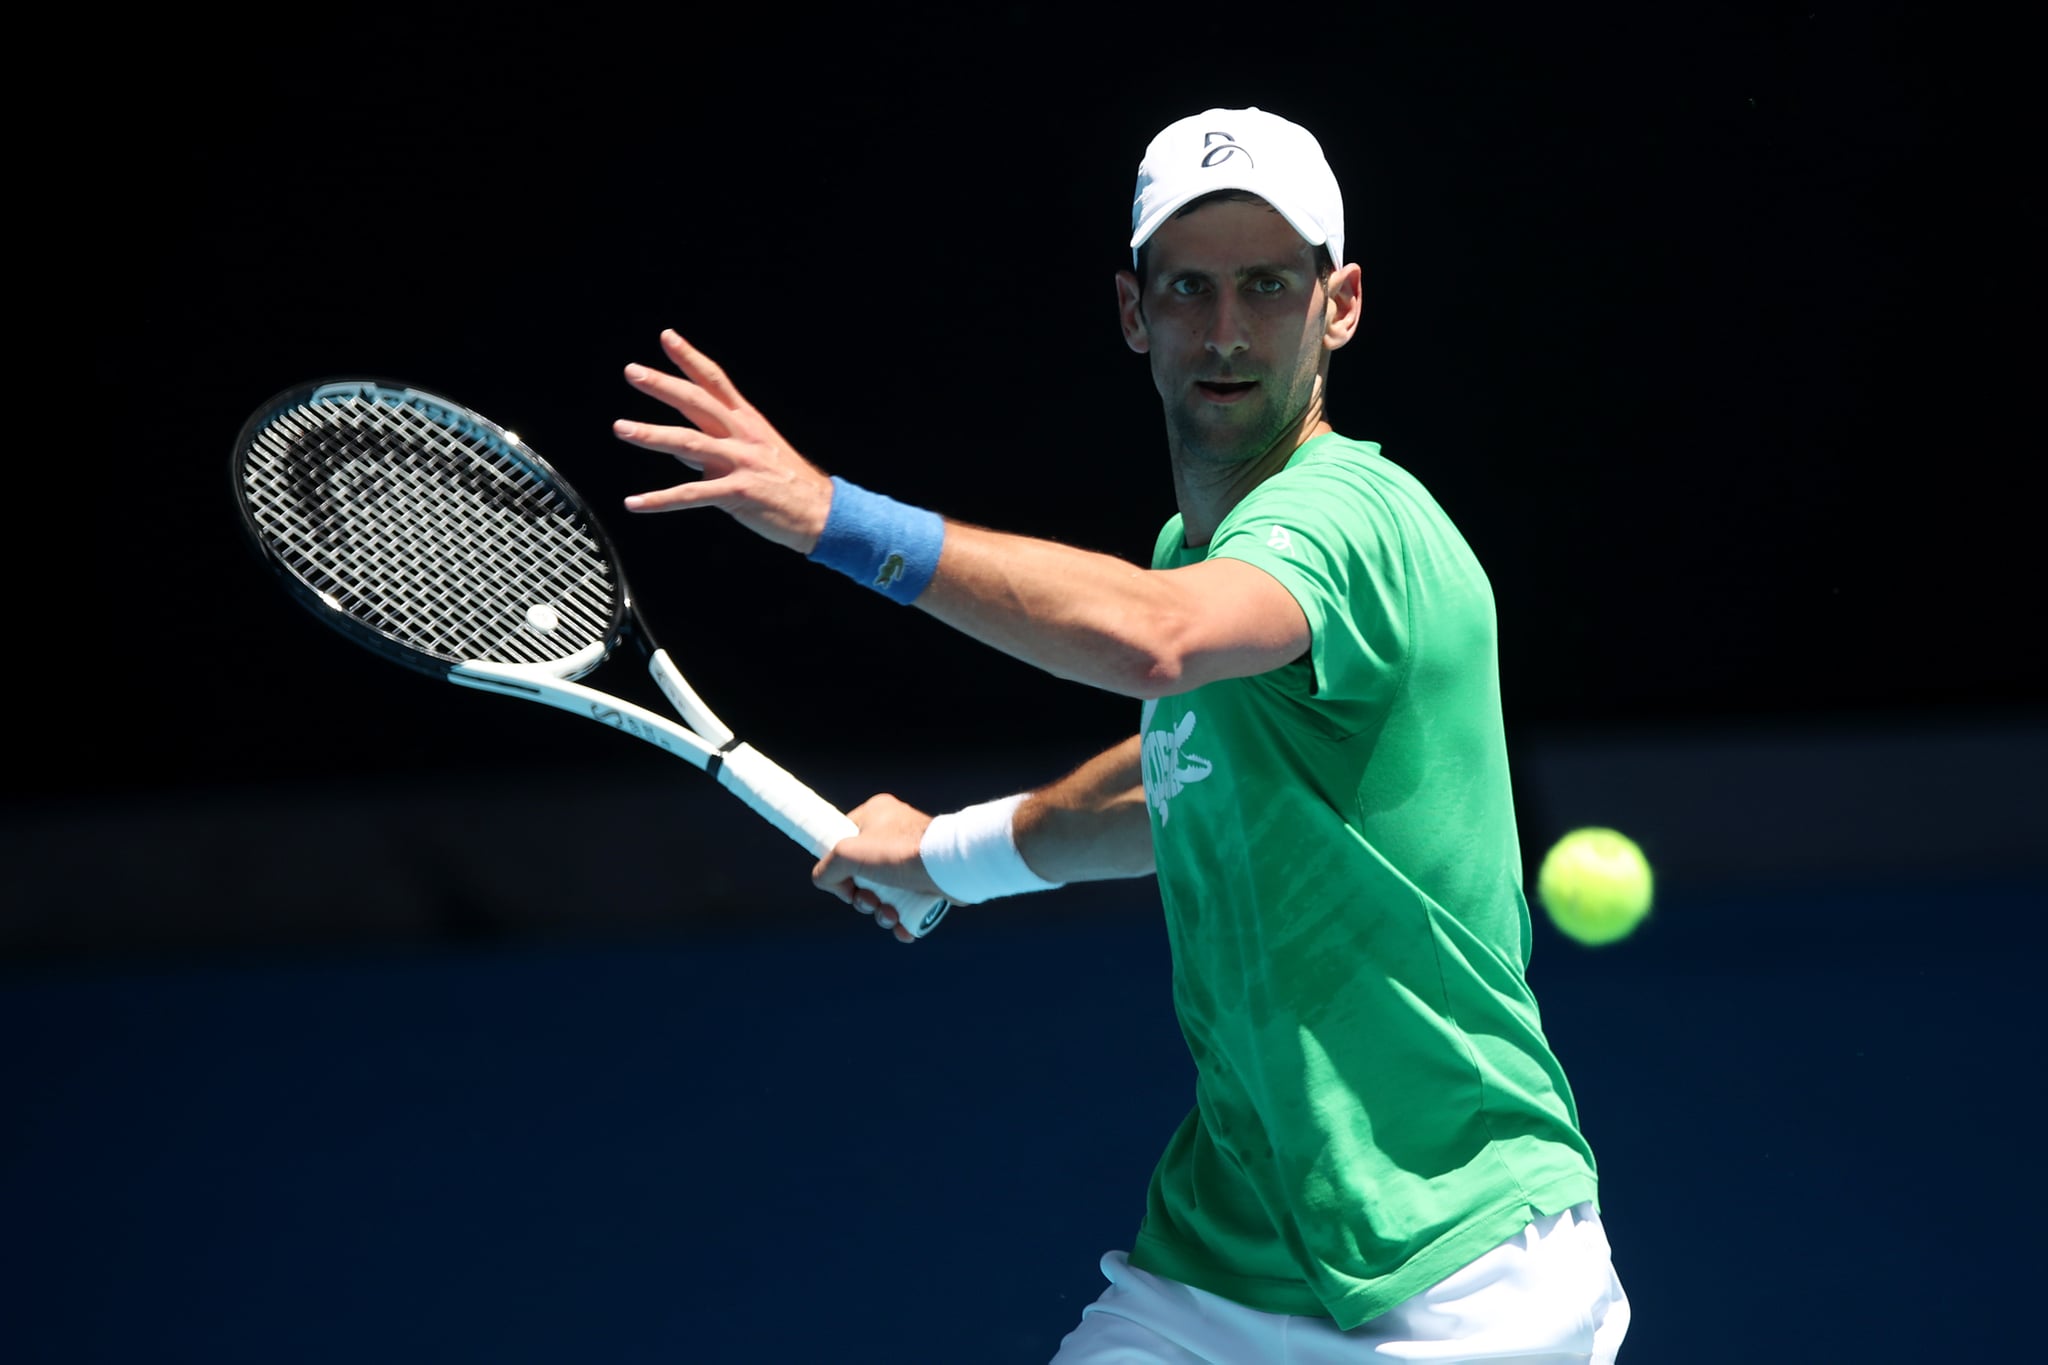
{"points": [[1207, 491]]}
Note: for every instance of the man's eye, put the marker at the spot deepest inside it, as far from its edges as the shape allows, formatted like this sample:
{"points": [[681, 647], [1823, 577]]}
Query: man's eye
{"points": [[1267, 284], [1185, 286]]}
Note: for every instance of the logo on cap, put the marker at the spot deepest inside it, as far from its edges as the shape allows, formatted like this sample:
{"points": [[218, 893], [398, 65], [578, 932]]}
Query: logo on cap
{"points": [[1217, 155]]}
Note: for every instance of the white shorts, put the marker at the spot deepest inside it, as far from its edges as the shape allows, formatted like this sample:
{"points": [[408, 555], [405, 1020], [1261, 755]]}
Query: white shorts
{"points": [[1546, 1296]]}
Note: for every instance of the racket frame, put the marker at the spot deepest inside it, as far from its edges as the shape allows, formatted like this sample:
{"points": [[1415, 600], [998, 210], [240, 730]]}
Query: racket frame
{"points": [[704, 740]]}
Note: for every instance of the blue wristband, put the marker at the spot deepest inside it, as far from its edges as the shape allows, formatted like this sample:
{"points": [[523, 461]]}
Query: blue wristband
{"points": [[879, 542]]}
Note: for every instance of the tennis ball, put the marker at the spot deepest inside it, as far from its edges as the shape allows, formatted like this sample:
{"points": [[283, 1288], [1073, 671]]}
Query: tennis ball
{"points": [[1596, 885]]}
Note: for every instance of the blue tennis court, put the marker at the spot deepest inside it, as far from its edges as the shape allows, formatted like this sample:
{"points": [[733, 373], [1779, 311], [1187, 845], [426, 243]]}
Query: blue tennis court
{"points": [[1810, 1105]]}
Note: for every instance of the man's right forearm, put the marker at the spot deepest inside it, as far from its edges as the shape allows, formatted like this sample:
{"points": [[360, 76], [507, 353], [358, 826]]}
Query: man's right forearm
{"points": [[1092, 824]]}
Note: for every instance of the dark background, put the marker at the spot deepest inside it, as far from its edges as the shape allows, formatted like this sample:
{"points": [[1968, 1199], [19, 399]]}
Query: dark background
{"points": [[1701, 321], [356, 1017]]}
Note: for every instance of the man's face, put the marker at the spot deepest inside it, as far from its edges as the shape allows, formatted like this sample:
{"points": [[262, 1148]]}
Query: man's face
{"points": [[1235, 324]]}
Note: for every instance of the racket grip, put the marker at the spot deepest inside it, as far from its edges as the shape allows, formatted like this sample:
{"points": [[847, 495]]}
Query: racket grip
{"points": [[812, 821]]}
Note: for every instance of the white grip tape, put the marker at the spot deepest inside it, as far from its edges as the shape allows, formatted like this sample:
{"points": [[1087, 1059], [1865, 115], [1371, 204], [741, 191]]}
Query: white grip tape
{"points": [[808, 818], [783, 801]]}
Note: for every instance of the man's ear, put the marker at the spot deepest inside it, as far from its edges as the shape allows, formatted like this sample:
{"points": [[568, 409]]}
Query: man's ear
{"points": [[1130, 307], [1344, 304]]}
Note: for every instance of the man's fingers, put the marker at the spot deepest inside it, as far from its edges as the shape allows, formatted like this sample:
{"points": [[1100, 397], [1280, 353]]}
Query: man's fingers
{"points": [[702, 493], [827, 877], [695, 448], [708, 374], [691, 400]]}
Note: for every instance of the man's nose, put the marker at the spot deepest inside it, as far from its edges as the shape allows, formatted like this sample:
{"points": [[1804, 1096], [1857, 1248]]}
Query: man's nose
{"points": [[1227, 335]]}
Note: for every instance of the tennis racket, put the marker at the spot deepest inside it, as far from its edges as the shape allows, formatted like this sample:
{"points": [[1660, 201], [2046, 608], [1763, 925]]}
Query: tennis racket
{"points": [[439, 540]]}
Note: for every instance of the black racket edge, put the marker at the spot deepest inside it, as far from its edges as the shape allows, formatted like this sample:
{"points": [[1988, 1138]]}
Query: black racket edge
{"points": [[626, 623]]}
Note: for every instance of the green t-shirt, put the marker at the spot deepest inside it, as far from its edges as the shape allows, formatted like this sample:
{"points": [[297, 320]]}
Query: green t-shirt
{"points": [[1376, 1104]]}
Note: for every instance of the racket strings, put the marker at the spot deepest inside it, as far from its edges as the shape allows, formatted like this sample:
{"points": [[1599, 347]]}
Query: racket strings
{"points": [[437, 536]]}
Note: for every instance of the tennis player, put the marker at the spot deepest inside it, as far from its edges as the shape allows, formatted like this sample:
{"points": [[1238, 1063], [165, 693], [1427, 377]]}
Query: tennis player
{"points": [[1384, 1159]]}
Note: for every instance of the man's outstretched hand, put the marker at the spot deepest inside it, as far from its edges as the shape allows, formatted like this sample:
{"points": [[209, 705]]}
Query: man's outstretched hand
{"points": [[749, 470]]}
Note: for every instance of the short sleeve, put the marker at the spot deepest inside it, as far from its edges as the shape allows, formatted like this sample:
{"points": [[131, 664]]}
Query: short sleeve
{"points": [[1329, 537], [1167, 544]]}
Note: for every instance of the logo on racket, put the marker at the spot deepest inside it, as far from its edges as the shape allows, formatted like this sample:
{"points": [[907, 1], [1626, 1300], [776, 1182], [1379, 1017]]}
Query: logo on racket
{"points": [[639, 729]]}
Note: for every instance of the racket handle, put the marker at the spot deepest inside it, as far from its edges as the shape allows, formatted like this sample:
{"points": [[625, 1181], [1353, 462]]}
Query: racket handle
{"points": [[784, 802]]}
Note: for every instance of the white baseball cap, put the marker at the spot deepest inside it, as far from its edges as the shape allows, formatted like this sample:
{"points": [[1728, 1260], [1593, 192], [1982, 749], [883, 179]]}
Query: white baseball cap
{"points": [[1240, 149]]}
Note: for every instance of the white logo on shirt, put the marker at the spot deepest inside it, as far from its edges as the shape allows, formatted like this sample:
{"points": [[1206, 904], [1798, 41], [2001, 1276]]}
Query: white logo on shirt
{"points": [[1167, 769], [1281, 541]]}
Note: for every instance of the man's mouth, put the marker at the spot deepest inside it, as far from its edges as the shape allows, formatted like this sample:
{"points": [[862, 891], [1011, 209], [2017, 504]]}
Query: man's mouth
{"points": [[1225, 390]]}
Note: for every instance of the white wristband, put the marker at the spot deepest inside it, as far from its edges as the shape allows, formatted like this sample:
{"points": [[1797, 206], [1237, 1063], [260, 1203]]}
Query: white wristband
{"points": [[972, 854]]}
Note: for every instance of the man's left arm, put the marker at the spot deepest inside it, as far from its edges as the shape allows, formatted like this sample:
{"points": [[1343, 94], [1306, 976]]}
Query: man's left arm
{"points": [[1077, 614]]}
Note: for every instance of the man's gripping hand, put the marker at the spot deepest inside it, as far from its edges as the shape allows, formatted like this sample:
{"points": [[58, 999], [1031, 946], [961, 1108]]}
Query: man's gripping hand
{"points": [[749, 470], [884, 852]]}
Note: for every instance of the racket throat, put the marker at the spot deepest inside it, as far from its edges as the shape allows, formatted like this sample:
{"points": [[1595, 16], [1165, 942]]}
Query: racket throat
{"points": [[717, 759], [684, 698], [529, 682]]}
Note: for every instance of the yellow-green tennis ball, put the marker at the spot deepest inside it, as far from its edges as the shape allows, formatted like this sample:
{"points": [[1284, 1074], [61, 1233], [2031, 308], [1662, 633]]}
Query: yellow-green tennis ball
{"points": [[1596, 884]]}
